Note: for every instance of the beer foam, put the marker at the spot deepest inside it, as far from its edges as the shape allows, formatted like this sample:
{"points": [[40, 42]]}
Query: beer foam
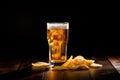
{"points": [[64, 25]]}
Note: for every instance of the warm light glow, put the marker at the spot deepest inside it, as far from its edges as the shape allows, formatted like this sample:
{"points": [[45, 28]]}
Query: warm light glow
{"points": [[57, 36]]}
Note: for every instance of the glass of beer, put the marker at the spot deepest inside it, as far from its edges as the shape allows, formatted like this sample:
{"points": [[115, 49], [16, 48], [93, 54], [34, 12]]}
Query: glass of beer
{"points": [[57, 36]]}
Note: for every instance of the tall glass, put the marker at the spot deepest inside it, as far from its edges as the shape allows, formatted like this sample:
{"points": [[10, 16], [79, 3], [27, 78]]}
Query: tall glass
{"points": [[57, 36]]}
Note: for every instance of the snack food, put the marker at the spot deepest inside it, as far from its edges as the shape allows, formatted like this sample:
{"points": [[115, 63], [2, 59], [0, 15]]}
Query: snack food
{"points": [[95, 65], [77, 63], [40, 66]]}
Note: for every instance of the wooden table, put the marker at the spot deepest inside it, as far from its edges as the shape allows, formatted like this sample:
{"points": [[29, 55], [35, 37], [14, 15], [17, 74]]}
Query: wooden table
{"points": [[20, 69]]}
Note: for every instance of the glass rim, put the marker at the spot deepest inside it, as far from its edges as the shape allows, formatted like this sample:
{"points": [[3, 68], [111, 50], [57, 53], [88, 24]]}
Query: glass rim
{"points": [[57, 25]]}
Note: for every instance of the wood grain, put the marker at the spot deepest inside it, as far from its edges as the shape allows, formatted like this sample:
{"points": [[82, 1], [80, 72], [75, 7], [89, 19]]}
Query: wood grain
{"points": [[24, 71]]}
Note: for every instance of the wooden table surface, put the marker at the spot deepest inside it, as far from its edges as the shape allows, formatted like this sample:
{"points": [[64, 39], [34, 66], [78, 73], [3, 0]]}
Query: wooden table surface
{"points": [[20, 69]]}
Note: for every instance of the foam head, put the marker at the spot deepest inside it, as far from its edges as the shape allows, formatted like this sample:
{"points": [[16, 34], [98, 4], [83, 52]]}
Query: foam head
{"points": [[60, 25]]}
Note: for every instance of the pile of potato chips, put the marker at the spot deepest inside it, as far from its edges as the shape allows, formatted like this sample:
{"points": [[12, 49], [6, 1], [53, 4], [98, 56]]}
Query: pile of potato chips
{"points": [[77, 63]]}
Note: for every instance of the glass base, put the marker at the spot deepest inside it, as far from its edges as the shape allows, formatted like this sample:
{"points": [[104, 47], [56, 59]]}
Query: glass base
{"points": [[52, 65], [55, 64]]}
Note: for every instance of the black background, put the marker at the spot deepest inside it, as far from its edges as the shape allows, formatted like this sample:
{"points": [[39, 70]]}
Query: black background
{"points": [[93, 29]]}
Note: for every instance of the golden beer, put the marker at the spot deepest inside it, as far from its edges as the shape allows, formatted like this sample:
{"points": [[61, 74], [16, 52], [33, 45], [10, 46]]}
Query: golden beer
{"points": [[57, 36]]}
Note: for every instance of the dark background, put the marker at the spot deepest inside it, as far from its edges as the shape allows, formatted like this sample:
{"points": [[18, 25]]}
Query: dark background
{"points": [[94, 30]]}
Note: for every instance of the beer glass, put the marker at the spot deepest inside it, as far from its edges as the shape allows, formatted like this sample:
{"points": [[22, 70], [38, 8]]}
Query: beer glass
{"points": [[57, 36]]}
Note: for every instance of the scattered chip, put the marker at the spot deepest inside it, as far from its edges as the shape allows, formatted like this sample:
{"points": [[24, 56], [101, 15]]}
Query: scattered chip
{"points": [[95, 65], [40, 66]]}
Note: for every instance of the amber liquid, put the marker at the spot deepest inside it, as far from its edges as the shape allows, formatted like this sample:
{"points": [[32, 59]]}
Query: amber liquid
{"points": [[57, 40]]}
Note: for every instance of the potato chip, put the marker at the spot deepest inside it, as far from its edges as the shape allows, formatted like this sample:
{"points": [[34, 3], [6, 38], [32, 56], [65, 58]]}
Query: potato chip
{"points": [[79, 57], [68, 61], [95, 65], [78, 62], [83, 67], [40, 66], [73, 67], [88, 62]]}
